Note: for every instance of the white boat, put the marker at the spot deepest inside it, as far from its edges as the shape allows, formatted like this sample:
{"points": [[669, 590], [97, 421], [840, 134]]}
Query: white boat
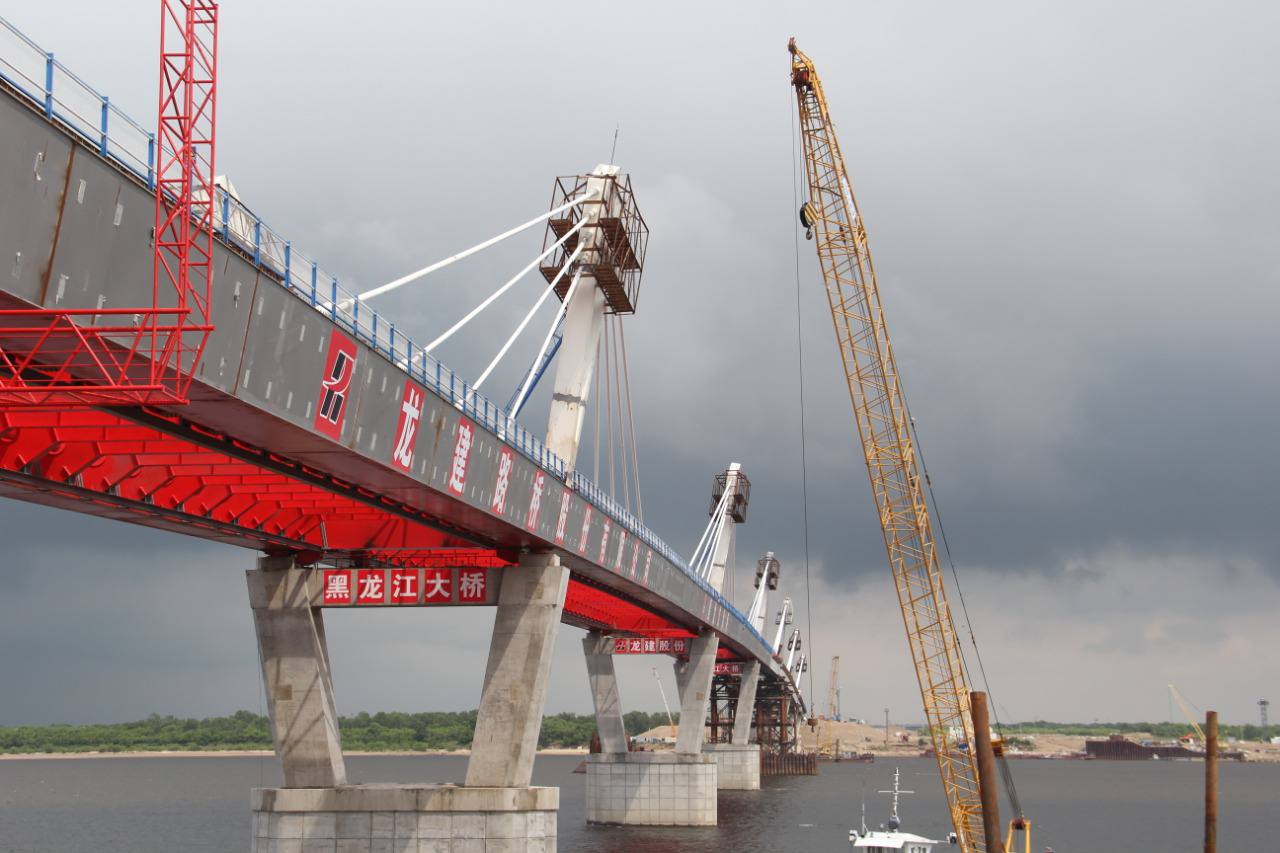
{"points": [[890, 837]]}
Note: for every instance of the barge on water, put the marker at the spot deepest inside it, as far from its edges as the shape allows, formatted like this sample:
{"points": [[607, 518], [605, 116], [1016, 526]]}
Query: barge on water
{"points": [[1120, 748]]}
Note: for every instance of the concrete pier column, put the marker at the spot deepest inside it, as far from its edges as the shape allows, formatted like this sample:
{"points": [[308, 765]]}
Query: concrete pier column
{"points": [[738, 762], [604, 692], [295, 673], [515, 679], [745, 711], [693, 680]]}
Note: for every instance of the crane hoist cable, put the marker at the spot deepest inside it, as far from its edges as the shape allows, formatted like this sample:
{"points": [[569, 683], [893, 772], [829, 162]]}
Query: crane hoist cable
{"points": [[804, 456], [894, 466]]}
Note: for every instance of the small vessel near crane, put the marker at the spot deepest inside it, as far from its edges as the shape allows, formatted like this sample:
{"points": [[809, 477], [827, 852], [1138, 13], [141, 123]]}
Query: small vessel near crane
{"points": [[890, 836]]}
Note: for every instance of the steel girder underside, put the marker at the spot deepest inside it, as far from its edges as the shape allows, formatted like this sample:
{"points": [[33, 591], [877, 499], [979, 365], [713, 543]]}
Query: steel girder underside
{"points": [[119, 464]]}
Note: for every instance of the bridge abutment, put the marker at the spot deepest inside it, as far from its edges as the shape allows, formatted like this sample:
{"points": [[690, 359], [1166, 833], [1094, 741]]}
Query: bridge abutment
{"points": [[737, 765], [656, 788], [418, 818]]}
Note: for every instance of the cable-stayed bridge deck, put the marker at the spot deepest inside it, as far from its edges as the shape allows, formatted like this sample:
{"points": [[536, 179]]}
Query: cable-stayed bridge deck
{"points": [[315, 426]]}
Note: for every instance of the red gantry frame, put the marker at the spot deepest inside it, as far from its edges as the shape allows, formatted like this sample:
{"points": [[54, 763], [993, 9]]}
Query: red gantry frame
{"points": [[147, 354]]}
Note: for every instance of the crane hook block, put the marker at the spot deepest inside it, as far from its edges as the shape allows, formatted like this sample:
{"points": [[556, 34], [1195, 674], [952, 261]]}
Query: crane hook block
{"points": [[807, 217]]}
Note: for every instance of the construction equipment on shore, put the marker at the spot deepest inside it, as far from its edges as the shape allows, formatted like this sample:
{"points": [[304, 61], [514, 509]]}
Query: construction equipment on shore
{"points": [[1186, 712], [885, 429]]}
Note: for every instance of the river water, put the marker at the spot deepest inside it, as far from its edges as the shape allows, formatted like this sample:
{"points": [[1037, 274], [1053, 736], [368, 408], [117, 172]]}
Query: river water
{"points": [[140, 805]]}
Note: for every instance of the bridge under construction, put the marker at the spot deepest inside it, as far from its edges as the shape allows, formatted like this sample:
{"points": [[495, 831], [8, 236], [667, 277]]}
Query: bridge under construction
{"points": [[169, 360]]}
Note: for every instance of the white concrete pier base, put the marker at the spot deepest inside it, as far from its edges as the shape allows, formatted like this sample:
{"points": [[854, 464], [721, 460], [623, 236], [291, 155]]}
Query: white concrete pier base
{"points": [[418, 818], [737, 765], [652, 789]]}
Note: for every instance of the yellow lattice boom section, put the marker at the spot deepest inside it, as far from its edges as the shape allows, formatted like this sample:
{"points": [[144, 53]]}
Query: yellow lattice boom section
{"points": [[884, 429]]}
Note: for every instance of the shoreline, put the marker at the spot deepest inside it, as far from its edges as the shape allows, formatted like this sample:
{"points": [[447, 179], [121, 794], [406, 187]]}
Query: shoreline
{"points": [[251, 753]]}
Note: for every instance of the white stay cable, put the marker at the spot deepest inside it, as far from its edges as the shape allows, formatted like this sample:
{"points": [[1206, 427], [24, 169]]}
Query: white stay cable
{"points": [[622, 424], [635, 464], [709, 558], [595, 400], [414, 276], [546, 342], [471, 315], [608, 393], [547, 291], [694, 558]]}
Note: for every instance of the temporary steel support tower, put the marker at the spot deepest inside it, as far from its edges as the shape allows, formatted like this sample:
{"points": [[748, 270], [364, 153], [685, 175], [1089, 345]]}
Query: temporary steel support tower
{"points": [[57, 357], [884, 429]]}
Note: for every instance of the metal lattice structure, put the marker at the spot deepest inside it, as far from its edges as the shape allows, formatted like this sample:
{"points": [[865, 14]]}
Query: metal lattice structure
{"points": [[884, 428], [55, 357], [615, 238]]}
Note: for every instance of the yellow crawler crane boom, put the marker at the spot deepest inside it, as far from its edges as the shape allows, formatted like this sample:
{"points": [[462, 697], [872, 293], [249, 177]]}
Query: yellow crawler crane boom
{"points": [[884, 427]]}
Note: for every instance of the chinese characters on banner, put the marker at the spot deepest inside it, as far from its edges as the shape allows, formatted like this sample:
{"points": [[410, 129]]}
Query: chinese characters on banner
{"points": [[407, 427], [378, 587], [564, 516], [335, 385], [728, 669], [461, 454], [506, 461], [535, 501], [651, 646]]}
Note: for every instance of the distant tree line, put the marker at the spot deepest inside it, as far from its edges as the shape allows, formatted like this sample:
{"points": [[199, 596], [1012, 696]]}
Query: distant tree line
{"points": [[1163, 731], [382, 732]]}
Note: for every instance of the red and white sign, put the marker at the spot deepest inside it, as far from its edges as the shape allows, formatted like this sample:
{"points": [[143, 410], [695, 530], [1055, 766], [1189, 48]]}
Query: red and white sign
{"points": [[635, 557], [405, 586], [337, 587], [728, 669], [437, 587], [535, 501], [473, 585], [371, 586], [648, 559], [586, 530], [563, 521], [335, 386], [622, 549], [651, 646], [604, 542], [461, 454], [506, 461], [407, 427]]}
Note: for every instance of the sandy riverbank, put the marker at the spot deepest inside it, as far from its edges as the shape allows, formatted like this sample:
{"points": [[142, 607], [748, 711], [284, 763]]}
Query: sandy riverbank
{"points": [[243, 753], [857, 737]]}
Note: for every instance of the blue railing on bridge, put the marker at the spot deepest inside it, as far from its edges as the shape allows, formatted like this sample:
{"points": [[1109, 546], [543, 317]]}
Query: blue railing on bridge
{"points": [[67, 99]]}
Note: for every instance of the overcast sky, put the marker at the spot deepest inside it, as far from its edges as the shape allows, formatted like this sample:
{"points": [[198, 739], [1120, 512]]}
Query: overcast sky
{"points": [[1073, 214]]}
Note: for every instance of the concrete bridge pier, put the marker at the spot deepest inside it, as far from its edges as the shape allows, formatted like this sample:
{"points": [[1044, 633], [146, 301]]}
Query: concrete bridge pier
{"points": [[653, 788], [738, 761], [496, 809]]}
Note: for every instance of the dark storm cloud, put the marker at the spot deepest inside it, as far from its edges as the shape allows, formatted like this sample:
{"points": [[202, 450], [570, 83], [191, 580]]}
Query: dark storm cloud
{"points": [[1072, 212]]}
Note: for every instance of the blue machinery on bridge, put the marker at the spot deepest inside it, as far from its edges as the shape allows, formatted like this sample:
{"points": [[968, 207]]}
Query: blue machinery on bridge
{"points": [[369, 474]]}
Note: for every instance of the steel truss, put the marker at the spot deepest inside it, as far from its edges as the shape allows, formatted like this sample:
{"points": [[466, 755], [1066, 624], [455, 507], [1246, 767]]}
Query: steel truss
{"points": [[144, 354]]}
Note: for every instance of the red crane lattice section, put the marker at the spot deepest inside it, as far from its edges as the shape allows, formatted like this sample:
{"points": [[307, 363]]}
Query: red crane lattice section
{"points": [[145, 354]]}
